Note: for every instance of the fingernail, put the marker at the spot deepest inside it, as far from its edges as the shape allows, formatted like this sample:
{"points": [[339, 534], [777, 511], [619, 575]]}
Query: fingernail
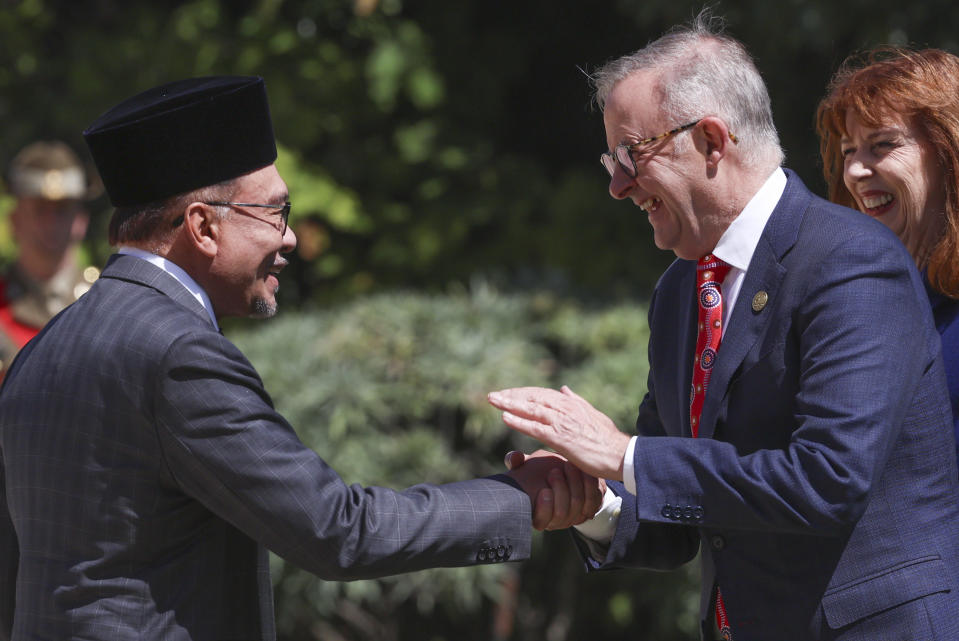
{"points": [[506, 461]]}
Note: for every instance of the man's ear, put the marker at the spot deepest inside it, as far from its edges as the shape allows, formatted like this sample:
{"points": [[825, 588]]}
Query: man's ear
{"points": [[715, 139], [202, 226]]}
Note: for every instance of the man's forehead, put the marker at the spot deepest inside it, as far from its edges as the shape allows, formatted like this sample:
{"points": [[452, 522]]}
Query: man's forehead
{"points": [[634, 106], [265, 182], [48, 204]]}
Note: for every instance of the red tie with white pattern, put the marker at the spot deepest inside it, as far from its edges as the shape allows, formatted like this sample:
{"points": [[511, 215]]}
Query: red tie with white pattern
{"points": [[710, 273]]}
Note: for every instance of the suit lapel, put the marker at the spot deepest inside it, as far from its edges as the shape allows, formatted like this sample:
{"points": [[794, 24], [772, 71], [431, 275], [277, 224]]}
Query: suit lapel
{"points": [[765, 274], [136, 270], [745, 327]]}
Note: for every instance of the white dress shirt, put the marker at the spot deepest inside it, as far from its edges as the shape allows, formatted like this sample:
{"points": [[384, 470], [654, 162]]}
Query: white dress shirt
{"points": [[736, 247], [177, 272]]}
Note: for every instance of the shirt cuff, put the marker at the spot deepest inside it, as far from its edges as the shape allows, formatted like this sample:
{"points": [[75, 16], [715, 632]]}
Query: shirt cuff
{"points": [[629, 472], [602, 526]]}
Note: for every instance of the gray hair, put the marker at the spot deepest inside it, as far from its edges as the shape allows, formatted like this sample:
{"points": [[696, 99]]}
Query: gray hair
{"points": [[153, 223], [702, 72]]}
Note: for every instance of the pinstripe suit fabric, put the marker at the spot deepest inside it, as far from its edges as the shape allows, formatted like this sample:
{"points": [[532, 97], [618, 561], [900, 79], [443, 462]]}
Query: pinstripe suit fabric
{"points": [[146, 474]]}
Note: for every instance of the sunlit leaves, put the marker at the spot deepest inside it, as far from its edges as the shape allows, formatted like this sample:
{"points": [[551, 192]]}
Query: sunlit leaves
{"points": [[315, 193]]}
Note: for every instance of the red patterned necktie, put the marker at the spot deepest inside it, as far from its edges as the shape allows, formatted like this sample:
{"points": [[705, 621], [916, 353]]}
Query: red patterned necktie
{"points": [[710, 273]]}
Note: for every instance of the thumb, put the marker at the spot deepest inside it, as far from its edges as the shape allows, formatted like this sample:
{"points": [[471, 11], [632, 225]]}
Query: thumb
{"points": [[514, 459]]}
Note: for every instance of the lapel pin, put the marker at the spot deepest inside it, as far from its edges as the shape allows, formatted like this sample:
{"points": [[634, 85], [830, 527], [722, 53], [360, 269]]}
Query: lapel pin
{"points": [[760, 300]]}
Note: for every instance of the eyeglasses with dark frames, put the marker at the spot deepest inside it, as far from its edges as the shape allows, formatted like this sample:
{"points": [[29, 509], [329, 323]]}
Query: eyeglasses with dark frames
{"points": [[622, 155], [284, 210]]}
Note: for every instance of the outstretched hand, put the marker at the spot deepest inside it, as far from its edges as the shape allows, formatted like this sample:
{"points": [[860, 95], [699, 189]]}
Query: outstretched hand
{"points": [[561, 494], [567, 423]]}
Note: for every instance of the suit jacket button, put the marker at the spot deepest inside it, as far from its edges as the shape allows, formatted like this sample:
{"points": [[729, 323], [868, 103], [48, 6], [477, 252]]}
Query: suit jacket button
{"points": [[667, 511], [687, 512], [482, 554], [500, 552], [718, 542], [698, 513]]}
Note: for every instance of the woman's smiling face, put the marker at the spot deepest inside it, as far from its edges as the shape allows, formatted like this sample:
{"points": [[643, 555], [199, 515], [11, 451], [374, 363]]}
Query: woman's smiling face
{"points": [[892, 174]]}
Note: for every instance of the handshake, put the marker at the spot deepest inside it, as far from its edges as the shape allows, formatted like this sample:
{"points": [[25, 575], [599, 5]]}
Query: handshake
{"points": [[562, 495], [566, 486]]}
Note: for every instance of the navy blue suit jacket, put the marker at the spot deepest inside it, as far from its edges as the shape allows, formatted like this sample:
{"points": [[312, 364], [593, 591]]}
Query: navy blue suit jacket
{"points": [[822, 490], [145, 475]]}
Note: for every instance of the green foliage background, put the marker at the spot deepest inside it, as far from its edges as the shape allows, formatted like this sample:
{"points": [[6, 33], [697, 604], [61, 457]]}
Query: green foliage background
{"points": [[428, 141], [441, 158], [391, 390]]}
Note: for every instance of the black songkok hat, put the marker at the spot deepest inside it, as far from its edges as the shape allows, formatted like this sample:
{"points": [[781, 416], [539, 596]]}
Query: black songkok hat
{"points": [[182, 136]]}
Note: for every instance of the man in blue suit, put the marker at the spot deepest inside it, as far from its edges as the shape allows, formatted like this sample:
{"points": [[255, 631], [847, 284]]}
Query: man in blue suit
{"points": [[820, 488], [145, 472]]}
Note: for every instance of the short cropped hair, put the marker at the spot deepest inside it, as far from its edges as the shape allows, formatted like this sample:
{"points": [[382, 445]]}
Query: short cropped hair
{"points": [[703, 72], [152, 223]]}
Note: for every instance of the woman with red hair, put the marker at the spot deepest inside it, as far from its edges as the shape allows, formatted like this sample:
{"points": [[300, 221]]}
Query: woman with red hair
{"points": [[889, 139]]}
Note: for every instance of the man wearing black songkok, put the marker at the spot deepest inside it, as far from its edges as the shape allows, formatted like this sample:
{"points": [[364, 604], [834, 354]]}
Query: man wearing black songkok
{"points": [[146, 472]]}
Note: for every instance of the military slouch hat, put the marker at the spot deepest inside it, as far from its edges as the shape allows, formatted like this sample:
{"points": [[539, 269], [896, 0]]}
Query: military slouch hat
{"points": [[48, 169]]}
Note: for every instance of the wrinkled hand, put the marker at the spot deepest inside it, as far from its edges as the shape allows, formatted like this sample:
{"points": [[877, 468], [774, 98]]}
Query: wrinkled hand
{"points": [[567, 423], [571, 498]]}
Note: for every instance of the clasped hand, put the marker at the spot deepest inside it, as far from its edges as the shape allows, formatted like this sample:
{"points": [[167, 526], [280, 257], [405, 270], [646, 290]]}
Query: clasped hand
{"points": [[561, 494]]}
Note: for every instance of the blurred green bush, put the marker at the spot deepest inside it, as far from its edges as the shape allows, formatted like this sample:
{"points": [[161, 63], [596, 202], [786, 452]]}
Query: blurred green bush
{"points": [[391, 390]]}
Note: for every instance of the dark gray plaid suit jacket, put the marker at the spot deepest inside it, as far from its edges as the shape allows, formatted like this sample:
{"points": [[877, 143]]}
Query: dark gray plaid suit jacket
{"points": [[822, 491], [146, 474]]}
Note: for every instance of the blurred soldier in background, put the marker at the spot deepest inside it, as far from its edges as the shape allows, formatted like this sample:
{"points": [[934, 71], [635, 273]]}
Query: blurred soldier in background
{"points": [[48, 222]]}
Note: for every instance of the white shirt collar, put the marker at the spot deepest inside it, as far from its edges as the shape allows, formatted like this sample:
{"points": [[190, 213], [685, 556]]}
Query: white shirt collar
{"points": [[738, 243], [178, 273]]}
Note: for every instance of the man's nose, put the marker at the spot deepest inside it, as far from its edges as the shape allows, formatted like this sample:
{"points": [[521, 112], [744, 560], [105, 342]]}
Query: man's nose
{"points": [[620, 184], [289, 240]]}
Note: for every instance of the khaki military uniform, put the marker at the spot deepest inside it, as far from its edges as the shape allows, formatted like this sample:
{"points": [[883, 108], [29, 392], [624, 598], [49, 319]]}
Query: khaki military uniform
{"points": [[49, 171], [26, 305]]}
